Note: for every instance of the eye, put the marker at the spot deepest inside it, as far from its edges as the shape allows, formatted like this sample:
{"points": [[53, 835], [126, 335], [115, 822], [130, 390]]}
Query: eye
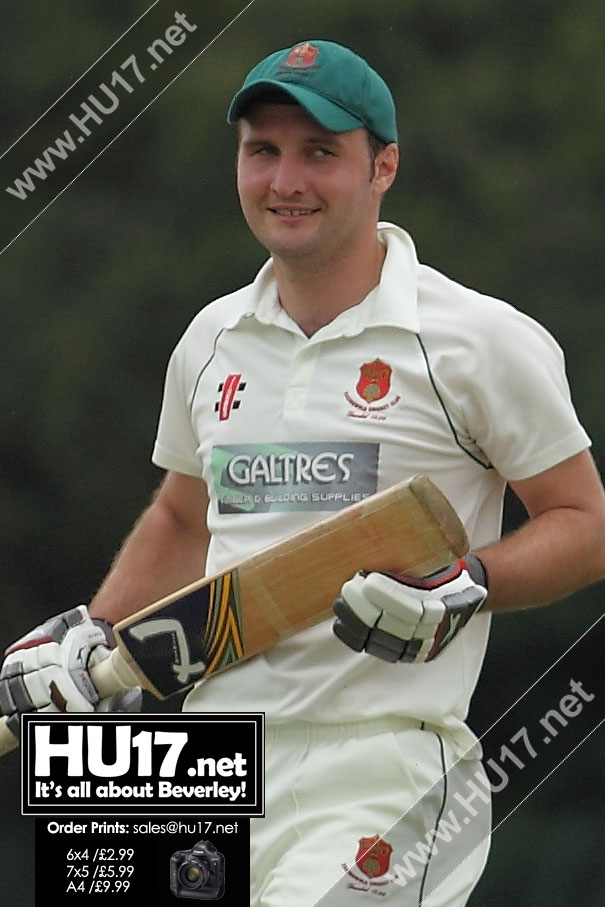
{"points": [[262, 150]]}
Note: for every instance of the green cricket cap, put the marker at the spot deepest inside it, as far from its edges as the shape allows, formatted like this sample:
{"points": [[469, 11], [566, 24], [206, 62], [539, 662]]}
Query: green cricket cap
{"points": [[336, 87]]}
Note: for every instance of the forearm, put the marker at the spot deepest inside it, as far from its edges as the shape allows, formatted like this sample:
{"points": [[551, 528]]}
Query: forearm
{"points": [[548, 558], [163, 552]]}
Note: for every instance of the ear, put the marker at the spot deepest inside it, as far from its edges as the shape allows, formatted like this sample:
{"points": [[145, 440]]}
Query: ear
{"points": [[385, 167]]}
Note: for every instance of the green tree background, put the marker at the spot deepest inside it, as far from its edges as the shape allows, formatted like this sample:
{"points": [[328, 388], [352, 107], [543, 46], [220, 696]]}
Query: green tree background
{"points": [[502, 115]]}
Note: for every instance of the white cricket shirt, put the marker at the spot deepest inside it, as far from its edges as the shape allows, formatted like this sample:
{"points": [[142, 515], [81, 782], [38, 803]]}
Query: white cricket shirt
{"points": [[422, 376]]}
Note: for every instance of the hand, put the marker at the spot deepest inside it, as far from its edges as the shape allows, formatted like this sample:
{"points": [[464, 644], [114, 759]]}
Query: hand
{"points": [[407, 619], [48, 669]]}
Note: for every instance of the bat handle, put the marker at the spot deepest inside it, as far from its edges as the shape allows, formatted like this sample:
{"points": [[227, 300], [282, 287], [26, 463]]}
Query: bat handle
{"points": [[112, 675], [8, 741]]}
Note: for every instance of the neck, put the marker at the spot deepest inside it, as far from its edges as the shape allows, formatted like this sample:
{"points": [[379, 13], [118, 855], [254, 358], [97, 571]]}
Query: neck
{"points": [[314, 293]]}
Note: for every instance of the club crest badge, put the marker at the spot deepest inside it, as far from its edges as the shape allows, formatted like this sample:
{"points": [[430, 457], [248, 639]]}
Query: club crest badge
{"points": [[374, 380], [302, 55], [370, 872], [373, 856], [374, 388]]}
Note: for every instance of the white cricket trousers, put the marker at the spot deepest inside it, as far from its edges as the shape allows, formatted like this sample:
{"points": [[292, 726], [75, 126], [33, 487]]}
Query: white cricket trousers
{"points": [[372, 812]]}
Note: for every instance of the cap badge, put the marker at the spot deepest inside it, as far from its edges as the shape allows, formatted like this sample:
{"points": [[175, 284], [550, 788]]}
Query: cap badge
{"points": [[302, 55]]}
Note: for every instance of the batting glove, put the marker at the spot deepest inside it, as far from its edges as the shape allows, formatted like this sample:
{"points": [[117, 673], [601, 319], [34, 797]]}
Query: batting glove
{"points": [[48, 669], [407, 619]]}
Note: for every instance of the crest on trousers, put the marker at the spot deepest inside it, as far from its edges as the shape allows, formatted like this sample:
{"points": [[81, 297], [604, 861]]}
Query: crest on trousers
{"points": [[302, 55], [374, 380], [373, 856], [370, 871]]}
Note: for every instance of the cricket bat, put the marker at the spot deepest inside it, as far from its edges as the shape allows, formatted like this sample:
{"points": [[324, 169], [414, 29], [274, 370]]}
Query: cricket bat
{"points": [[228, 617]]}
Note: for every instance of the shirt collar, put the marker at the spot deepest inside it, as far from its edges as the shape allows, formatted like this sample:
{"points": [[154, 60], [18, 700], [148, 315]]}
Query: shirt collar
{"points": [[392, 303]]}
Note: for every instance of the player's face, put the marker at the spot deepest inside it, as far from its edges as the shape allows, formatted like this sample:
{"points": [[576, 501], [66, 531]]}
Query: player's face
{"points": [[305, 192]]}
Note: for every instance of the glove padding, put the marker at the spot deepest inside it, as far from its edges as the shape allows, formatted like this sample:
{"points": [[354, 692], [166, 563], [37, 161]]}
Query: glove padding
{"points": [[48, 669], [407, 619]]}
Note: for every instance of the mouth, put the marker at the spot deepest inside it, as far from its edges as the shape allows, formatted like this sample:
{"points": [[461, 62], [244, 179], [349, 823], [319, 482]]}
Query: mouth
{"points": [[293, 213]]}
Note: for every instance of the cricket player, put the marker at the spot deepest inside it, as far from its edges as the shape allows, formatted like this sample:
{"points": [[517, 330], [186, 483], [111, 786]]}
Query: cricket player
{"points": [[344, 367]]}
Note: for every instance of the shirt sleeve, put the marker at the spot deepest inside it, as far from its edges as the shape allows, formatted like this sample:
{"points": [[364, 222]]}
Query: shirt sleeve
{"points": [[518, 405], [176, 445]]}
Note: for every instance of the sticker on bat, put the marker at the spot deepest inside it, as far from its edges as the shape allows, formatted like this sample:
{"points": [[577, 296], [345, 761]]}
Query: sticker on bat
{"points": [[192, 637]]}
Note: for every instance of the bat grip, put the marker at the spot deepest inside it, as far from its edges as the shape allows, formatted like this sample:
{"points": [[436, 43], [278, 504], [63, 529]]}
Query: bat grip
{"points": [[112, 675]]}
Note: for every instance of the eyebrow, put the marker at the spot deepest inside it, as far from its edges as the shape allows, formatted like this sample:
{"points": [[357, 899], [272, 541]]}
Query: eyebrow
{"points": [[329, 139]]}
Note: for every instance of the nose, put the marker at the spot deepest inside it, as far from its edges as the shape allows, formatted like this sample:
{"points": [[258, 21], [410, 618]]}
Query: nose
{"points": [[288, 176]]}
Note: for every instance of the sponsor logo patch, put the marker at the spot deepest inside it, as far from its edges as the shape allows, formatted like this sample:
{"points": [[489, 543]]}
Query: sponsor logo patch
{"points": [[258, 478]]}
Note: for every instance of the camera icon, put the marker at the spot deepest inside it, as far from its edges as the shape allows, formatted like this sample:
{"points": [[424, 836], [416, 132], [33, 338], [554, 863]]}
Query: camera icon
{"points": [[198, 873]]}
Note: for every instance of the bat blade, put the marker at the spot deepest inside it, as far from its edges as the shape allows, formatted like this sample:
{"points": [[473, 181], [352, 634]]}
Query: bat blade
{"points": [[286, 588], [231, 616]]}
